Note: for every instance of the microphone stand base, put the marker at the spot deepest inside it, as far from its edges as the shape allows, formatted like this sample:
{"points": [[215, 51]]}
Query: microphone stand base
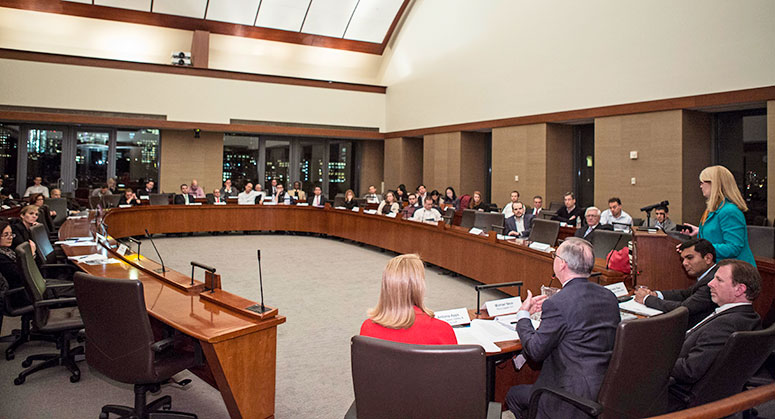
{"points": [[161, 270], [256, 308]]}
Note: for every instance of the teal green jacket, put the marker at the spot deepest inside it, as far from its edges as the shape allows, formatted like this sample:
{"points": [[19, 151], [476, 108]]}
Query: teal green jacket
{"points": [[726, 229]]}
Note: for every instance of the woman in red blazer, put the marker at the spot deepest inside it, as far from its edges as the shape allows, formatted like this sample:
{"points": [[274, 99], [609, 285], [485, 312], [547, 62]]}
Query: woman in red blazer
{"points": [[400, 314]]}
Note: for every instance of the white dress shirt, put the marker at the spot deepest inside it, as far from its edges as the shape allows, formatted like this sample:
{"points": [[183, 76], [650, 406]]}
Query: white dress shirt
{"points": [[248, 198], [424, 215], [607, 218]]}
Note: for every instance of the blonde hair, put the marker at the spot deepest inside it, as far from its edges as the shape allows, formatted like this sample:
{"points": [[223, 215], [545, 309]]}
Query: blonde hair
{"points": [[349, 192], [403, 288], [722, 186], [29, 208], [473, 199]]}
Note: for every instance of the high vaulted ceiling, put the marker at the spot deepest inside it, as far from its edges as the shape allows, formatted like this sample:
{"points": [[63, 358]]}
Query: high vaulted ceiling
{"points": [[357, 20]]}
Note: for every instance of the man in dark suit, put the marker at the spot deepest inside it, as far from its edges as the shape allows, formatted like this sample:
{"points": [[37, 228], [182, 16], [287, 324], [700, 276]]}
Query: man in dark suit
{"points": [[576, 336], [184, 198], [699, 260], [733, 289], [147, 189], [570, 213], [215, 198], [592, 215], [317, 199], [519, 224]]}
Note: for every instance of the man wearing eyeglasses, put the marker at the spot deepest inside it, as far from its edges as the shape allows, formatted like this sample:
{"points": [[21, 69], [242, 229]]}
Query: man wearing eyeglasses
{"points": [[576, 336]]}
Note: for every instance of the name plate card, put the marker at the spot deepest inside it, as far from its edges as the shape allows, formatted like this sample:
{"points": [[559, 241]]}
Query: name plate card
{"points": [[454, 317], [372, 212], [146, 197], [194, 203], [219, 203], [125, 206], [477, 231], [302, 204], [503, 306], [618, 289], [122, 249], [391, 215]]}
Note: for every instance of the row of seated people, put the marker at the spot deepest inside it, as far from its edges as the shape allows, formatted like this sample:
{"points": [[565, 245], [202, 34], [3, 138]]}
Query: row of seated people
{"points": [[575, 342]]}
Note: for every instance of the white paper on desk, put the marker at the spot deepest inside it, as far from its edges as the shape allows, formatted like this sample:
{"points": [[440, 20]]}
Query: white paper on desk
{"points": [[80, 244], [82, 239], [219, 203], [340, 208], [618, 289], [146, 197], [623, 315], [269, 203], [454, 317], [391, 215], [194, 203], [302, 204], [356, 209], [503, 306], [105, 261], [370, 212], [125, 206], [468, 336], [510, 321], [68, 242], [541, 246], [476, 231], [88, 258], [635, 307]]}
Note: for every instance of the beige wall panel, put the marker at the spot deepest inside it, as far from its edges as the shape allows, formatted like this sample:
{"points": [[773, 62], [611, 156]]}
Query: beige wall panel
{"points": [[657, 170], [394, 150], [441, 161], [184, 157], [559, 160], [696, 156], [519, 151], [372, 158], [771, 160], [403, 162], [473, 163]]}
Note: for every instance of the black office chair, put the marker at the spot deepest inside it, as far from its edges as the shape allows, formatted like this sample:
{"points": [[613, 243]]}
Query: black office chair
{"points": [[398, 380], [111, 201], [52, 315], [468, 218], [60, 206], [545, 231], [120, 344], [488, 221], [53, 262], [603, 241], [159, 199], [743, 354], [635, 383], [44, 218], [95, 201], [555, 206], [14, 303], [449, 215], [761, 240], [339, 200]]}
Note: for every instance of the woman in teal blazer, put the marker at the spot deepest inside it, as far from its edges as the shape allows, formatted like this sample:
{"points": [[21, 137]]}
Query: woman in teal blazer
{"points": [[723, 223]]}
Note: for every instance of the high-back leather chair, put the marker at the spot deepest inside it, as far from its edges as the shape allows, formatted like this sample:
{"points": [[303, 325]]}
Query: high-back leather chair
{"points": [[449, 215], [603, 241], [57, 317], [120, 343], [52, 264], [487, 221], [14, 303], [159, 199], [468, 218], [636, 381], [60, 206], [743, 354], [111, 201], [95, 201], [545, 231], [762, 241], [44, 218], [399, 380]]}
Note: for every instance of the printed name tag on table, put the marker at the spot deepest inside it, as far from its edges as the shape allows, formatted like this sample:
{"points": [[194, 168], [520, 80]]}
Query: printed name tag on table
{"points": [[122, 249], [618, 289], [503, 306], [454, 317]]}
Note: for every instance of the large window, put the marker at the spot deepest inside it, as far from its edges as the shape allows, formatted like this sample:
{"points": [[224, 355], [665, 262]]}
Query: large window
{"points": [[9, 156], [340, 168], [240, 159], [137, 157], [278, 155]]}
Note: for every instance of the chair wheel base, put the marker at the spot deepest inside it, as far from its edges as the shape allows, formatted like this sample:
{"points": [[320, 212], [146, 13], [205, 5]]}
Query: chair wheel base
{"points": [[18, 381], [9, 356], [75, 378], [26, 363]]}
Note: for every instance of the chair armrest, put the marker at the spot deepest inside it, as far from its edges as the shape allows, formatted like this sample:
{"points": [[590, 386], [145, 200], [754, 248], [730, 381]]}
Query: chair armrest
{"points": [[758, 382], [498, 229], [587, 406], [68, 301], [58, 266], [14, 291], [494, 410], [162, 345], [680, 394]]}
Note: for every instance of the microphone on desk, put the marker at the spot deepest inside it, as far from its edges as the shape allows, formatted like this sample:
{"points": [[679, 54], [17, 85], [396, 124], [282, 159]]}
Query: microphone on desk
{"points": [[259, 308], [163, 269], [138, 243]]}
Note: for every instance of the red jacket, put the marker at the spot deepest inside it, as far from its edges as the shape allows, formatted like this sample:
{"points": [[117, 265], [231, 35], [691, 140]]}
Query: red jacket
{"points": [[424, 331]]}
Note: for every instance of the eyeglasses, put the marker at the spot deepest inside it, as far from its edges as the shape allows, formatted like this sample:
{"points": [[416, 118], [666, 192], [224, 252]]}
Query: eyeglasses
{"points": [[11, 235], [556, 256]]}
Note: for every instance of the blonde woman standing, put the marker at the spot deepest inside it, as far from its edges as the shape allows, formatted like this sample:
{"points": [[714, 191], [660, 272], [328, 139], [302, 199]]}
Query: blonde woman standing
{"points": [[400, 314]]}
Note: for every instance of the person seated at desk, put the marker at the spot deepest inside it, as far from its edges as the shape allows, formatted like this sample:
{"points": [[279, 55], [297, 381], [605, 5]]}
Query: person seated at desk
{"points": [[129, 198], [21, 226], [436, 196], [427, 214], [216, 198], [389, 205], [734, 288], [570, 213], [519, 224], [36, 188], [112, 187], [184, 197], [698, 258], [508, 208], [408, 211], [38, 200], [72, 205], [9, 267], [401, 194], [662, 219], [477, 203], [248, 196], [260, 191], [228, 190], [282, 197], [401, 314], [297, 193], [538, 205], [349, 199], [592, 216], [372, 197], [450, 198], [615, 216], [103, 190], [196, 190], [147, 189], [317, 199], [272, 190], [576, 336]]}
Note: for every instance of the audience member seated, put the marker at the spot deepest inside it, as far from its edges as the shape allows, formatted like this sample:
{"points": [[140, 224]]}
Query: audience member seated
{"points": [[401, 194], [576, 336], [272, 187], [734, 288], [508, 208], [228, 190], [21, 226], [112, 186], [184, 197], [389, 205], [216, 198], [372, 197], [422, 193], [297, 193], [248, 196], [36, 188], [5, 191], [101, 191], [662, 219], [149, 188], [698, 257], [9, 267], [282, 197], [592, 216], [349, 199], [317, 199], [519, 223], [427, 214], [72, 204], [478, 203], [260, 191], [615, 216], [450, 198], [570, 213], [413, 206], [436, 197], [195, 190], [538, 205], [129, 198], [38, 200], [401, 314]]}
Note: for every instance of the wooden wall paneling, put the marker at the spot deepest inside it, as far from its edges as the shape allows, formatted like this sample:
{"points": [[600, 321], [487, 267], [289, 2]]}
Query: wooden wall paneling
{"points": [[696, 155], [200, 49], [559, 160], [771, 160], [184, 158], [371, 156], [403, 162], [473, 163]]}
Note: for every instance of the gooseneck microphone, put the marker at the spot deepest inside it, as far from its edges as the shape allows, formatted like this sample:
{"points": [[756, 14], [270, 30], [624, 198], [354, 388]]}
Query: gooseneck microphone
{"points": [[163, 269], [259, 308], [647, 208]]}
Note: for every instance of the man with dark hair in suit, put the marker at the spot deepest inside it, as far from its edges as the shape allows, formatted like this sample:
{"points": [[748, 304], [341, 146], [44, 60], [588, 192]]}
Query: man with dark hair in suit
{"points": [[662, 219], [699, 260], [184, 198], [592, 215], [147, 189], [733, 289], [413, 206], [317, 199], [570, 213], [519, 224], [576, 336]]}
